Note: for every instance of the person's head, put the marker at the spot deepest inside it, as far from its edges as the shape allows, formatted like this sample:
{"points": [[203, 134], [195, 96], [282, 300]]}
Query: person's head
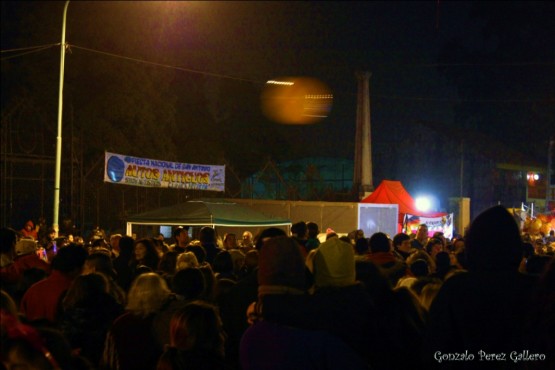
{"points": [[145, 250], [401, 241], [185, 260], [247, 238], [126, 244], [70, 260], [458, 245], [361, 246], [281, 267], [188, 283], [493, 241], [299, 230], [181, 235], [238, 259], [230, 241], [207, 235], [198, 327], [313, 229], [198, 250], [223, 263], [419, 268], [266, 234], [251, 259], [168, 262], [99, 262], [443, 261], [434, 246], [441, 236], [147, 294], [86, 290], [29, 225], [114, 241], [8, 239], [334, 264], [379, 242], [422, 232]]}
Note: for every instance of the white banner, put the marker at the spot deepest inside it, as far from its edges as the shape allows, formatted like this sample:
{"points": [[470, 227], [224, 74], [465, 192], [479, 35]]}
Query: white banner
{"points": [[442, 224], [128, 170]]}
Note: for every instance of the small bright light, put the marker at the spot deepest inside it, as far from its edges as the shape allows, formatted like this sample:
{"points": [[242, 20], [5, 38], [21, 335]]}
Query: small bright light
{"points": [[423, 204], [536, 176], [274, 82]]}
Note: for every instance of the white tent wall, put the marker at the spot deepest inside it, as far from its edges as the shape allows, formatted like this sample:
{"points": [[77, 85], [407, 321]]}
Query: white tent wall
{"points": [[342, 217]]}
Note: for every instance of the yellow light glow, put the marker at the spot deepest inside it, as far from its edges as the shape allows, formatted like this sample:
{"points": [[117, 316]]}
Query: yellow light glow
{"points": [[296, 100]]}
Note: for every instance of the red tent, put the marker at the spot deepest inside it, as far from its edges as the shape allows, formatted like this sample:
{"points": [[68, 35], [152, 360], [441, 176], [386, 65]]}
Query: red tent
{"points": [[393, 192]]}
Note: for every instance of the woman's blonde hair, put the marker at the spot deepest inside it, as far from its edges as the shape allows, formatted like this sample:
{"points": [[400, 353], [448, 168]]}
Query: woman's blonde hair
{"points": [[147, 294], [186, 260]]}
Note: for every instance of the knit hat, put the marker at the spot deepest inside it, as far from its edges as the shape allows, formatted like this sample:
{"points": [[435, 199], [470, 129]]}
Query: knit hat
{"points": [[334, 264], [281, 267], [25, 246], [493, 241]]}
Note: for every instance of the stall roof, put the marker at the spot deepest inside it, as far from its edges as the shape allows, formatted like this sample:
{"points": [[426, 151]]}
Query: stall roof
{"points": [[215, 212], [393, 192]]}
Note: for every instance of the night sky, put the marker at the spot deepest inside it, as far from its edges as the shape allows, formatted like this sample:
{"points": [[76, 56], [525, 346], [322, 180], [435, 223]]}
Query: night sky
{"points": [[403, 44]]}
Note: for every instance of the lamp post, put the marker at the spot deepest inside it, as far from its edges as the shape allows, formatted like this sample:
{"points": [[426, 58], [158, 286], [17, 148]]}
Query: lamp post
{"points": [[55, 223]]}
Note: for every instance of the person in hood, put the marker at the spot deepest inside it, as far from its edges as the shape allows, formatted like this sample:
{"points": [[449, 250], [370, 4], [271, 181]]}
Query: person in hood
{"points": [[29, 230]]}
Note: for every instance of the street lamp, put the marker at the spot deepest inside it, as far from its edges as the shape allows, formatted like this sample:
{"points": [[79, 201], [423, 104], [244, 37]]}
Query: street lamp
{"points": [[55, 223]]}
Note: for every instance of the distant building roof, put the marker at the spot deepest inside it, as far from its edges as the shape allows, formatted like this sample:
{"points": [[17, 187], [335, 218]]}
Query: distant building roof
{"points": [[305, 178]]}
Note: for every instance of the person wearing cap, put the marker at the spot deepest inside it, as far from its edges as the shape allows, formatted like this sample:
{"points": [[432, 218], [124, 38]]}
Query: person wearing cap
{"points": [[269, 344], [25, 259], [26, 256]]}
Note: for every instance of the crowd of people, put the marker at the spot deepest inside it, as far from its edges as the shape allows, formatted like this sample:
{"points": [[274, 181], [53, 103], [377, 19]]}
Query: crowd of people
{"points": [[303, 300]]}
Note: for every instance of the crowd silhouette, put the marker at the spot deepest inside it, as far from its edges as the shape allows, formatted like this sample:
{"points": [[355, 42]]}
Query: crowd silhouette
{"points": [[485, 299]]}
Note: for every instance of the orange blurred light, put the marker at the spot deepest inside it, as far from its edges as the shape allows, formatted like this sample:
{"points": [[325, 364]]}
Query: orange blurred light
{"points": [[296, 100]]}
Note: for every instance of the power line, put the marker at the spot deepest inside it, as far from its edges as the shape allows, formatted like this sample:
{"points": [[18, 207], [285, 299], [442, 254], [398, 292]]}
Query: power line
{"points": [[167, 65], [30, 50], [39, 48]]}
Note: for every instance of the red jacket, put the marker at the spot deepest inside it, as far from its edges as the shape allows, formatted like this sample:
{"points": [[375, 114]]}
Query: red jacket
{"points": [[13, 273], [42, 299]]}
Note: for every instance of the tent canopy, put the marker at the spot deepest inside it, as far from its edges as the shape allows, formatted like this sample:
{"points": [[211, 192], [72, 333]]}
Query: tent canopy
{"points": [[201, 212], [393, 192]]}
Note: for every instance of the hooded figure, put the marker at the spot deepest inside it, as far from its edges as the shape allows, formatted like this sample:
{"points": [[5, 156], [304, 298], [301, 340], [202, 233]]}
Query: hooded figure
{"points": [[485, 308], [269, 344], [493, 242], [29, 230]]}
